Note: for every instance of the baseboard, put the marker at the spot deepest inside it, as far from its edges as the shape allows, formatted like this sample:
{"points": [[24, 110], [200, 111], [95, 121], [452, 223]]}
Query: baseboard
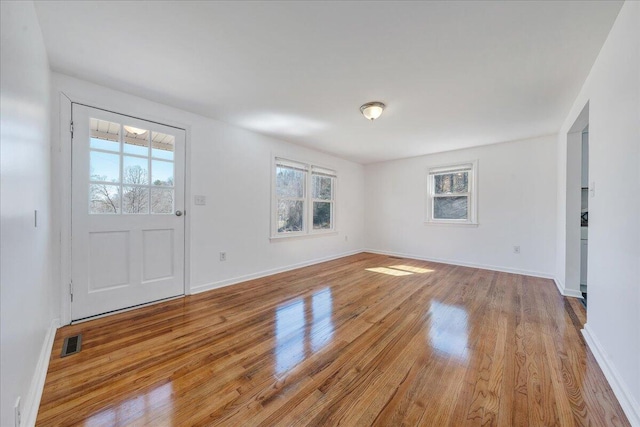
{"points": [[32, 401], [235, 280], [465, 264], [559, 285], [629, 405], [566, 292]]}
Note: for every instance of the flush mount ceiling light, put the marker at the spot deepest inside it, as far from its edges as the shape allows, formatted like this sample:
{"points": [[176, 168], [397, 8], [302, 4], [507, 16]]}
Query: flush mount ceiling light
{"points": [[372, 110], [135, 131]]}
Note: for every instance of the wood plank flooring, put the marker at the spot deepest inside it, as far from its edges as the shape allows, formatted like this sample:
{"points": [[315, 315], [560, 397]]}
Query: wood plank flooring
{"points": [[363, 340]]}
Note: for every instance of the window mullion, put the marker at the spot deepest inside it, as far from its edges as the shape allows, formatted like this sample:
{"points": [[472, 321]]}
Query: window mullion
{"points": [[308, 205]]}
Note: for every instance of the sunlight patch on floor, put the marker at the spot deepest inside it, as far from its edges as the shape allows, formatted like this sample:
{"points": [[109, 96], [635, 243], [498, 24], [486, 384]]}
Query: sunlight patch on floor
{"points": [[389, 271], [400, 270], [411, 269]]}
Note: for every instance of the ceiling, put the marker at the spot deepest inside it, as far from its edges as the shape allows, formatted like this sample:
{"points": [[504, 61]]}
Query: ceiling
{"points": [[453, 74]]}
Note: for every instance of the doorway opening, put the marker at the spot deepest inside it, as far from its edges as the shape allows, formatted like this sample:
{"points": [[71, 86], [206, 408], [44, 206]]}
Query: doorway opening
{"points": [[584, 213], [577, 207]]}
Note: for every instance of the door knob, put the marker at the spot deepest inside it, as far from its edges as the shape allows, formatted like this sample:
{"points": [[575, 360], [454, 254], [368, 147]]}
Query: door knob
{"points": [[178, 213]]}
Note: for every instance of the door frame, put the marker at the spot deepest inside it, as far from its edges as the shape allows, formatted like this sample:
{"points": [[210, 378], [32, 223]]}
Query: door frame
{"points": [[62, 216], [571, 233]]}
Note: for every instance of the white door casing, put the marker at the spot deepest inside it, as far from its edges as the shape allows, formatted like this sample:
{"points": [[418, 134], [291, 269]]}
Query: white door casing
{"points": [[128, 180]]}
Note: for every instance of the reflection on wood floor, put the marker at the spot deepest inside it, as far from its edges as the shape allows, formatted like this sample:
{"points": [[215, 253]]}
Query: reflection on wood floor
{"points": [[363, 340]]}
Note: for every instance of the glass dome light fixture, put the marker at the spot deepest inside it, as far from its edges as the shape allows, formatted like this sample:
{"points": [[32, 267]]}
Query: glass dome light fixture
{"points": [[372, 110]]}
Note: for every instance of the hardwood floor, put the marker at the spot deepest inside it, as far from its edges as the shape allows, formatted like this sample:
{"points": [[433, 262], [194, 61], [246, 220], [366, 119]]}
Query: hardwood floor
{"points": [[407, 343]]}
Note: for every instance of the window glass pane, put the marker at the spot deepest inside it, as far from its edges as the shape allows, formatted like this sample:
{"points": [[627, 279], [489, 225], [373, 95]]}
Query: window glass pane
{"points": [[450, 207], [161, 200], [322, 187], [449, 183], [162, 173], [105, 167], [321, 215], [104, 199], [135, 200], [102, 144], [135, 170], [162, 145], [290, 214], [104, 135], [136, 141], [289, 182]]}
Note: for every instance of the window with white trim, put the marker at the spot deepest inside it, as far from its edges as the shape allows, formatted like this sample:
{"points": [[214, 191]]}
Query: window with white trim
{"points": [[303, 199], [452, 194]]}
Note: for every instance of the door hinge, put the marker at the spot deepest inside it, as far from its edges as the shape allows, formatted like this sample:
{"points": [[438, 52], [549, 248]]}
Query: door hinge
{"points": [[71, 290], [71, 128]]}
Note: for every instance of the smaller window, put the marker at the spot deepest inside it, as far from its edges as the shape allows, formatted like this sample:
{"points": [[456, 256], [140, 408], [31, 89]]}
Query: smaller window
{"points": [[322, 197], [452, 194], [291, 180]]}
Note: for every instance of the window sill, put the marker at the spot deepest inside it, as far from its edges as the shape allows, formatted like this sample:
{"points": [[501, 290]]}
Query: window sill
{"points": [[452, 224], [303, 236]]}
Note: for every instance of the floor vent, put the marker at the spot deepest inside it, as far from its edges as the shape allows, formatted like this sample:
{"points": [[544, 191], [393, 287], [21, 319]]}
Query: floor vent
{"points": [[71, 345]]}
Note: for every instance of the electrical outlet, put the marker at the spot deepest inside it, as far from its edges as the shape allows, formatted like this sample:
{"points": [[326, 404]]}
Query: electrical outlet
{"points": [[17, 411], [516, 249], [223, 256], [346, 238], [200, 200]]}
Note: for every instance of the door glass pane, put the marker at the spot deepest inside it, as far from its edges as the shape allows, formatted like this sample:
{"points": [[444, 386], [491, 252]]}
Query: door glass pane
{"points": [[450, 207], [136, 141], [162, 145], [104, 199], [321, 215], [135, 170], [105, 167], [135, 200], [290, 214], [322, 187], [289, 182], [449, 183], [104, 135], [162, 173], [162, 200]]}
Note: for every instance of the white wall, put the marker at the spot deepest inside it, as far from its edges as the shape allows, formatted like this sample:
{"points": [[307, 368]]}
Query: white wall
{"points": [[232, 168], [517, 204], [613, 316], [25, 292]]}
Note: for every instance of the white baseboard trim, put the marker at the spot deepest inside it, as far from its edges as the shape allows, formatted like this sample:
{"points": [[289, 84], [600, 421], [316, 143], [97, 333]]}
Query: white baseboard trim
{"points": [[629, 405], [566, 292], [235, 280], [32, 402], [465, 264], [559, 285]]}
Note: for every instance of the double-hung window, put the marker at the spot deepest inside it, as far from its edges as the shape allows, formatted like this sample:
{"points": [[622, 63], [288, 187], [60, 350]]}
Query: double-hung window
{"points": [[303, 199], [322, 197], [452, 194]]}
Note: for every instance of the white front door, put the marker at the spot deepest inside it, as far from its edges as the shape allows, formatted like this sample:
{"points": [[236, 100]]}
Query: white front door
{"points": [[127, 211]]}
